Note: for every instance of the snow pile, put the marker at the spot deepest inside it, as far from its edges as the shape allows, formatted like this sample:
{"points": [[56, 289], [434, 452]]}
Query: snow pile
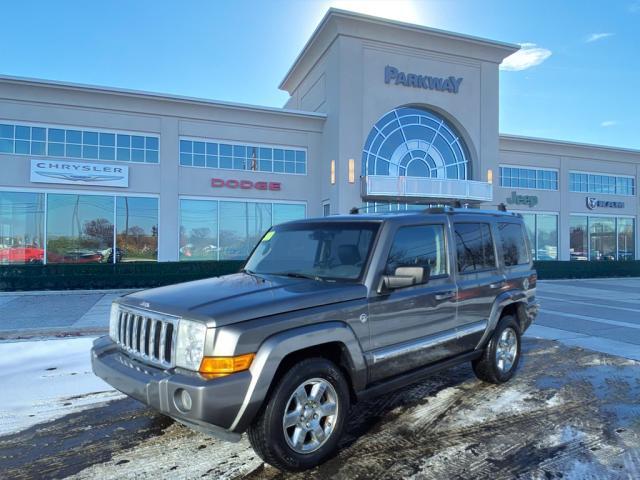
{"points": [[47, 379]]}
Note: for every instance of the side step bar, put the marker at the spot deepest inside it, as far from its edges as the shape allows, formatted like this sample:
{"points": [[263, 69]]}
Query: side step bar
{"points": [[414, 376]]}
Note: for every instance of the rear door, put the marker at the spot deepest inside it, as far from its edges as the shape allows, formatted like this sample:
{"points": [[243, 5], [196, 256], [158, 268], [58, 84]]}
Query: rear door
{"points": [[409, 325], [479, 278]]}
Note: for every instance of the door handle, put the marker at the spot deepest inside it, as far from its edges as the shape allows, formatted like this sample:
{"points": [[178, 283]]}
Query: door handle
{"points": [[497, 284], [444, 295]]}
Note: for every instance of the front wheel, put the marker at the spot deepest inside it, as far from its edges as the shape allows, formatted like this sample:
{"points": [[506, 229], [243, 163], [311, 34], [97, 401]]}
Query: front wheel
{"points": [[303, 419], [501, 356]]}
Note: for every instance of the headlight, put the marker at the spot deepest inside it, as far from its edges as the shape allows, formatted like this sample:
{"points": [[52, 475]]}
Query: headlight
{"points": [[113, 322], [190, 344]]}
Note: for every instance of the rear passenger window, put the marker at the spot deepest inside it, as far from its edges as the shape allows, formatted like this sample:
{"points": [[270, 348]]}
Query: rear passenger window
{"points": [[474, 246], [514, 248], [419, 246]]}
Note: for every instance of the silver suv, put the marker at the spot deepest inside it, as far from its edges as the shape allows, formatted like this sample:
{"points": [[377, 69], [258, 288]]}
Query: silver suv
{"points": [[325, 313]]}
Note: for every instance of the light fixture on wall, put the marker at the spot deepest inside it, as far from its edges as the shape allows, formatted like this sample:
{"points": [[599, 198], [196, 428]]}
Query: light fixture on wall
{"points": [[489, 176], [333, 172], [352, 170]]}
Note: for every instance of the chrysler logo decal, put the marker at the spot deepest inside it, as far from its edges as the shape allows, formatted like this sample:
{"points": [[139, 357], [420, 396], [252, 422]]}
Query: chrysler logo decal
{"points": [[80, 178]]}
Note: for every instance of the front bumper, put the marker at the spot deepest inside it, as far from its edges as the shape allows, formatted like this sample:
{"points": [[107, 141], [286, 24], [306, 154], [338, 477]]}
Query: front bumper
{"points": [[215, 403]]}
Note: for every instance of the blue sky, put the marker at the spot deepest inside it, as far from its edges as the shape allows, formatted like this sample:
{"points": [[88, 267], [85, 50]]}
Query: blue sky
{"points": [[578, 79]]}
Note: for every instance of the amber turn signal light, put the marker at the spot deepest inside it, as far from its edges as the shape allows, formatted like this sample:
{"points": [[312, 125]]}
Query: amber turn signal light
{"points": [[221, 366]]}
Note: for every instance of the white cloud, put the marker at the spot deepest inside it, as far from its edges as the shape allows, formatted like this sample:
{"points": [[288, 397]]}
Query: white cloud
{"points": [[528, 56], [608, 123], [594, 37]]}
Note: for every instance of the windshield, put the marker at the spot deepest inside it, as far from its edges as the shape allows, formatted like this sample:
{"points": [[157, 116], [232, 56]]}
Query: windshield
{"points": [[322, 251]]}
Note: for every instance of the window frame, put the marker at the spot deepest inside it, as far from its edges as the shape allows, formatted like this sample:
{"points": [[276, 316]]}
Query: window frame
{"points": [[84, 129], [257, 145], [598, 178], [535, 179]]}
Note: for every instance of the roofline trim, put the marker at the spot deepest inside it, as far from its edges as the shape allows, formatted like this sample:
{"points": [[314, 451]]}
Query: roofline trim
{"points": [[158, 96], [567, 143], [332, 11]]}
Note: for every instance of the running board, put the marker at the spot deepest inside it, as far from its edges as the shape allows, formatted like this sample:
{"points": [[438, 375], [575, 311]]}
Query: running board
{"points": [[414, 376]]}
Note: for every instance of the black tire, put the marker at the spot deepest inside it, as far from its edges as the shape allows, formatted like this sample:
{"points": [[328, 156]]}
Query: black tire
{"points": [[487, 367], [267, 434]]}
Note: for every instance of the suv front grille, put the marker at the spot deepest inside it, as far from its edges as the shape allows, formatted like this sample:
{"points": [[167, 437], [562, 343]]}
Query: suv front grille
{"points": [[148, 336]]}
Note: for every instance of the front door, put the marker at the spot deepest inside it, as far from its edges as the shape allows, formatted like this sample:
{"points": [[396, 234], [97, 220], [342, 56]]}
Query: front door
{"points": [[415, 325]]}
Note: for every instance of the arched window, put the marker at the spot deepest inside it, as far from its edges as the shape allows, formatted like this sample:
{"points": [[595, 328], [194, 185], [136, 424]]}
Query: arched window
{"points": [[414, 142]]}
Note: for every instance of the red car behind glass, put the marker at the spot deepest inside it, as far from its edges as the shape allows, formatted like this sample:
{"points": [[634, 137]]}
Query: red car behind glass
{"points": [[22, 254]]}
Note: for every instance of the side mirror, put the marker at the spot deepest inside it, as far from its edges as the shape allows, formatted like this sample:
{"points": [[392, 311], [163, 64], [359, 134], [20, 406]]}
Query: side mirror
{"points": [[404, 277]]}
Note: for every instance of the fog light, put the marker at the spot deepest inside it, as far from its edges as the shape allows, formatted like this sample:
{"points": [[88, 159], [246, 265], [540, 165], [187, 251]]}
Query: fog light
{"points": [[182, 400]]}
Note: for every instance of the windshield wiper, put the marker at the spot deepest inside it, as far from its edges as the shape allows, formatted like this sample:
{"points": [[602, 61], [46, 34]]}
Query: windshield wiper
{"points": [[299, 275]]}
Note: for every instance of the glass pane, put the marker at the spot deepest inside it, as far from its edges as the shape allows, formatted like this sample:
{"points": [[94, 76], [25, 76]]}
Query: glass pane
{"points": [[198, 147], [73, 150], [283, 212], [123, 154], [74, 136], [578, 247], [38, 148], [530, 226], [626, 239], [21, 228], [514, 249], [22, 146], [152, 143], [137, 141], [79, 228], [107, 153], [107, 139], [56, 149], [242, 224], [332, 251], [547, 237], [136, 230], [23, 133], [474, 246], [137, 155], [151, 156], [6, 131], [421, 246], [56, 135], [602, 238], [6, 145], [89, 151], [38, 134], [124, 140], [90, 138], [198, 230]]}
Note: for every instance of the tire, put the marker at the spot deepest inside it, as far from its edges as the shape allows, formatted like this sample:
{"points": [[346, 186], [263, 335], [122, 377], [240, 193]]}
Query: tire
{"points": [[276, 445], [493, 366]]}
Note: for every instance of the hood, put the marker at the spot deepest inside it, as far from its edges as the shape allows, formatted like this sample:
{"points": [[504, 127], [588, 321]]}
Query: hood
{"points": [[239, 297]]}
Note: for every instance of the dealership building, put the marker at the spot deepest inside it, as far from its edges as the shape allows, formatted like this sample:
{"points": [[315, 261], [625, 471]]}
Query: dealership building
{"points": [[381, 114]]}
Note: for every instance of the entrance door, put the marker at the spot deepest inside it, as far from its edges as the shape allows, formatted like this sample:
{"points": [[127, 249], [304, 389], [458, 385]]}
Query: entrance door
{"points": [[415, 325]]}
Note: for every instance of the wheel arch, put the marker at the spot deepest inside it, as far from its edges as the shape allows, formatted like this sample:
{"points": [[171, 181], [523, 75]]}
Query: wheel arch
{"points": [[335, 341], [509, 302]]}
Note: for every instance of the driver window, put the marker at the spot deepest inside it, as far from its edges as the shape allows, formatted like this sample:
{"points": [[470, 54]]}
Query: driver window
{"points": [[418, 246]]}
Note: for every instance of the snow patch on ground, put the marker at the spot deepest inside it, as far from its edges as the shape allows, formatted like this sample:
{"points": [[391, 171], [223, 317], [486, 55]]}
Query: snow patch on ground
{"points": [[500, 402], [178, 453], [47, 379]]}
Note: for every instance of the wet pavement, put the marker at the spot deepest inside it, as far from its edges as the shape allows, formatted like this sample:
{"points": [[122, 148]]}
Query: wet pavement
{"points": [[568, 413]]}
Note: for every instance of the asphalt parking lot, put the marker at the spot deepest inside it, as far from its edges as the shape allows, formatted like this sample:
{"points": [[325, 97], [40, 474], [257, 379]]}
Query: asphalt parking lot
{"points": [[572, 411]]}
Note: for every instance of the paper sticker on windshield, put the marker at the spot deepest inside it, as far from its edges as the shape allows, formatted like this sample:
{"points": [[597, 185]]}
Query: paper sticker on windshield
{"points": [[268, 236]]}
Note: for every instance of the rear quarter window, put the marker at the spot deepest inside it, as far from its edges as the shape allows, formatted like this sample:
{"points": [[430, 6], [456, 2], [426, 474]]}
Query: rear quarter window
{"points": [[514, 247]]}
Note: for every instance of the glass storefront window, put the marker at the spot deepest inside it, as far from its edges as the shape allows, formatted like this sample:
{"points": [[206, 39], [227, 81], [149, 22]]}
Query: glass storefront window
{"points": [[241, 226], [21, 228], [578, 238], [626, 239], [546, 237], [79, 228], [136, 230], [198, 230], [226, 230], [542, 229], [602, 238], [283, 212]]}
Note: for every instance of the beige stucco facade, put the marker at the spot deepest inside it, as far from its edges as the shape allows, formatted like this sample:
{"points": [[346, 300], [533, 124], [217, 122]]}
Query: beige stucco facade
{"points": [[338, 90]]}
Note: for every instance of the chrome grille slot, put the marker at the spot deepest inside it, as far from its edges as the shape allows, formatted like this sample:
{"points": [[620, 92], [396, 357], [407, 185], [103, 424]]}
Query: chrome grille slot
{"points": [[148, 336]]}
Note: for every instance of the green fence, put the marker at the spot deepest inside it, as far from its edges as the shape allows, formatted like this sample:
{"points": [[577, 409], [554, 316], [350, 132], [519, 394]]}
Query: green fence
{"points": [[585, 269], [98, 276], [145, 275]]}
